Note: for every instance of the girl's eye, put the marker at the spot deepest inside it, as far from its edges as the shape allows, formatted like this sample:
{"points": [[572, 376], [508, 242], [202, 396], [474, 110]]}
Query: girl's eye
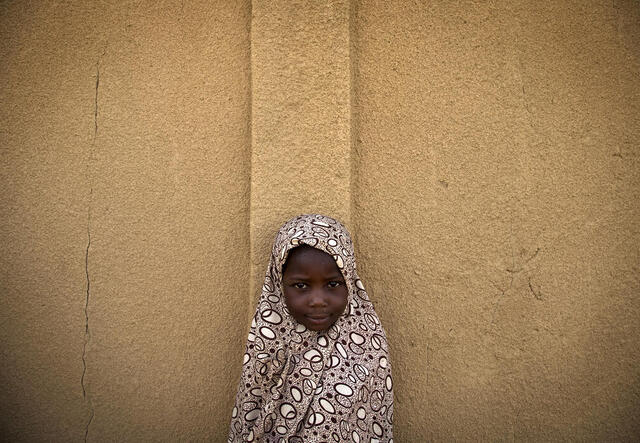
{"points": [[299, 285], [335, 284]]}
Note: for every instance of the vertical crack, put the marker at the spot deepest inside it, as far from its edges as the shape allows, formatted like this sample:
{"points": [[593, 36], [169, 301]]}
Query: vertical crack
{"points": [[87, 331], [87, 295], [86, 429], [95, 105], [86, 316]]}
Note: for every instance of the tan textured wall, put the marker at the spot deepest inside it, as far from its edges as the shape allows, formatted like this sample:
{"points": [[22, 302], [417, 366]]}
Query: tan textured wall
{"points": [[496, 212], [301, 119], [158, 154], [484, 155]]}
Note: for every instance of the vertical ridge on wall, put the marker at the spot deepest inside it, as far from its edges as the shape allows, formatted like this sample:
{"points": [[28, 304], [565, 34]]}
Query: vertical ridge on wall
{"points": [[353, 120], [249, 265], [301, 139]]}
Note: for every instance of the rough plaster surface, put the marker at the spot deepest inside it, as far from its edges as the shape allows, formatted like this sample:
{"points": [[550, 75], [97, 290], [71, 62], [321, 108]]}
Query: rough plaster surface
{"points": [[484, 155], [496, 212], [152, 161], [301, 119]]}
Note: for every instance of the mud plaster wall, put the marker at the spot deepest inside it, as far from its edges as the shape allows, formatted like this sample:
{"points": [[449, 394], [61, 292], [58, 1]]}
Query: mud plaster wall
{"points": [[496, 212], [484, 155], [125, 169]]}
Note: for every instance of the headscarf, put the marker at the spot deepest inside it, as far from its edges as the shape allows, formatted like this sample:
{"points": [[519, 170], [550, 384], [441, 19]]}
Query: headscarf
{"points": [[301, 386]]}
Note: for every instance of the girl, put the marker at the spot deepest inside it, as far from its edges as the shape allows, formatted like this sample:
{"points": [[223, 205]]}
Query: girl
{"points": [[316, 366]]}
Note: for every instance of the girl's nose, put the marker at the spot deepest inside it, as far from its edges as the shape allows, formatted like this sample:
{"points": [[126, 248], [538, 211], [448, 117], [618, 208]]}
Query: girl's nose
{"points": [[318, 298]]}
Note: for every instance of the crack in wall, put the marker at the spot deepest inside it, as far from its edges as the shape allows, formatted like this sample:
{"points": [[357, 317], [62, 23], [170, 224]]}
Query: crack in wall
{"points": [[87, 331], [517, 267], [95, 105], [86, 429], [537, 293], [86, 302]]}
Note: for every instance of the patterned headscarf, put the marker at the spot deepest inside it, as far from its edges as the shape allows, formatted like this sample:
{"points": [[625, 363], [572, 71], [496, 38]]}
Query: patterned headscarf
{"points": [[301, 386]]}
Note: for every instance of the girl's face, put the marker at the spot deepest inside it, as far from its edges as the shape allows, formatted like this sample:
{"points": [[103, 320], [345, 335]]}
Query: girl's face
{"points": [[314, 288]]}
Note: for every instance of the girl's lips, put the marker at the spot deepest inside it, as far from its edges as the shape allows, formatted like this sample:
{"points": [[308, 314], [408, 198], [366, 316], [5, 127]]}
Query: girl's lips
{"points": [[317, 318]]}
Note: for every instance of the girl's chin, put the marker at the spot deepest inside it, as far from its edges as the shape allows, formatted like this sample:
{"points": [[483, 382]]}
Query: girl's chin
{"points": [[318, 324]]}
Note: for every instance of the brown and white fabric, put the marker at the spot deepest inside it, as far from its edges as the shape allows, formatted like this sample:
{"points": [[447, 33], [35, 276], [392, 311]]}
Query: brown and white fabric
{"points": [[302, 386]]}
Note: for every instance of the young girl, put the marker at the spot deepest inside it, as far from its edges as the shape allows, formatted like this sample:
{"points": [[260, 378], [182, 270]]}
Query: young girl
{"points": [[316, 366]]}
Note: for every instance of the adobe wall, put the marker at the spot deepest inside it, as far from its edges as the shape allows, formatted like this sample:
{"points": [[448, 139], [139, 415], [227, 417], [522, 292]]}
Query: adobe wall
{"points": [[483, 155]]}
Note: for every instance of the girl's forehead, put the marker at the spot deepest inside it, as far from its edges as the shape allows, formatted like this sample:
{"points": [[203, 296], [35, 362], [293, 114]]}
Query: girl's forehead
{"points": [[307, 252], [305, 259]]}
